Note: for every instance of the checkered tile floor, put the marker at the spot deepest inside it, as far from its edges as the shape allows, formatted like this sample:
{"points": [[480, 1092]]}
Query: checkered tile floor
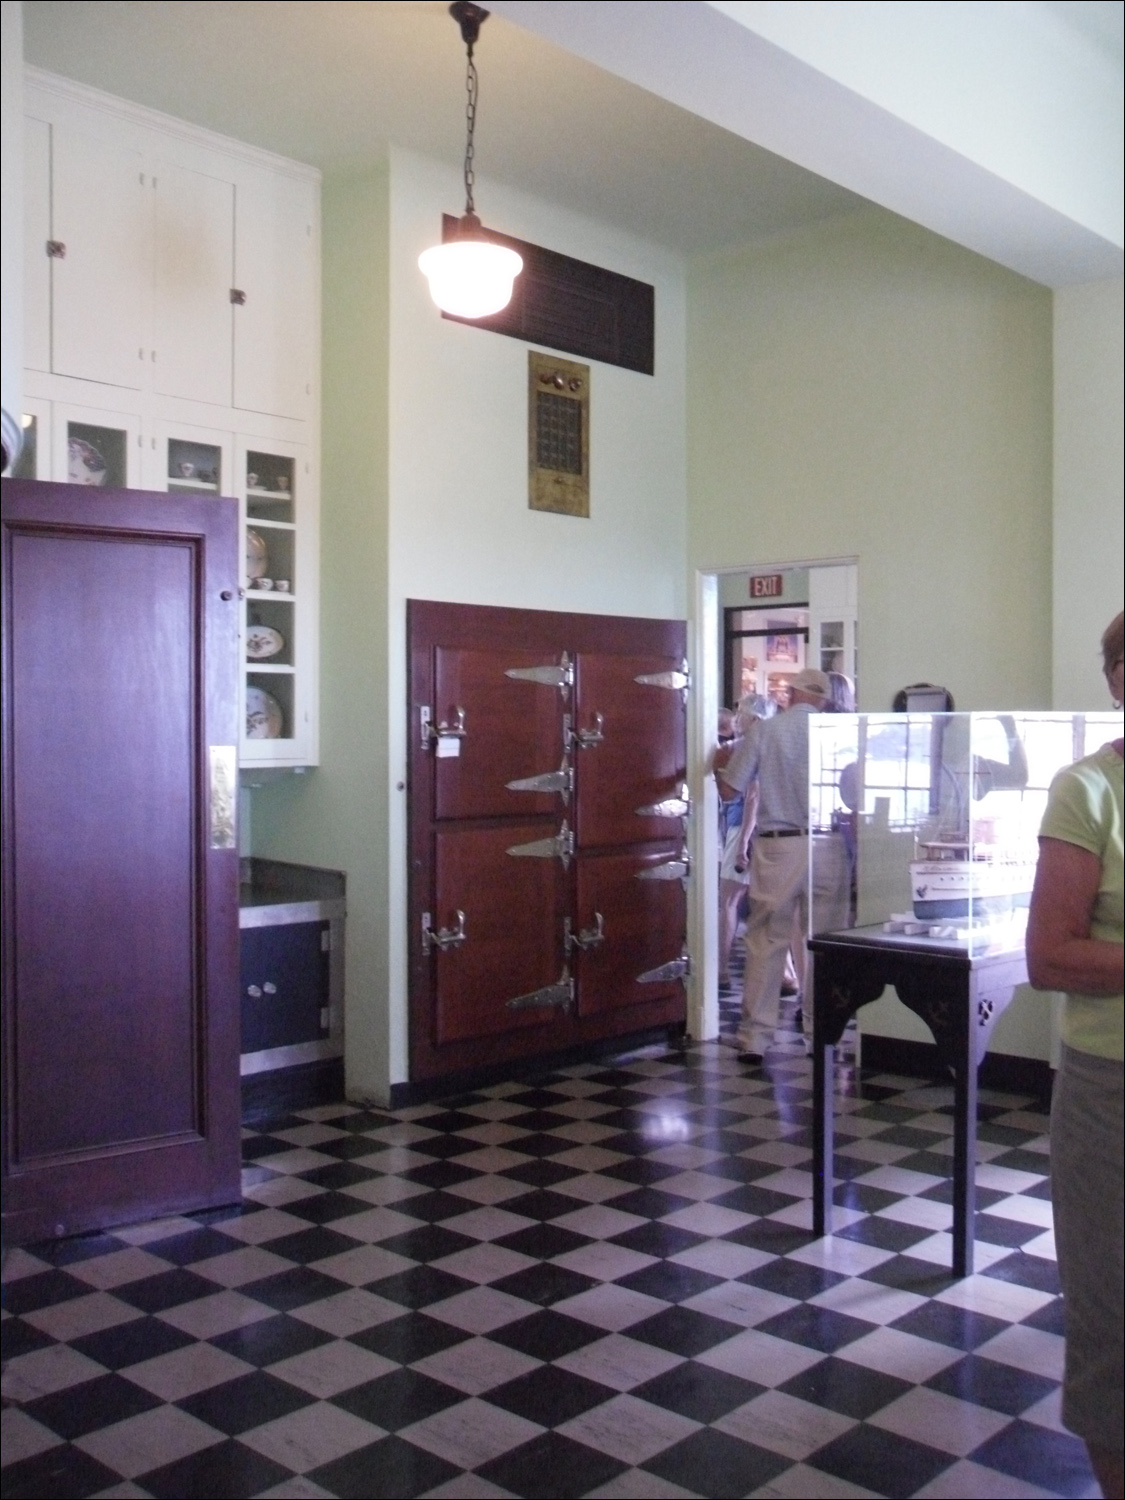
{"points": [[601, 1282]]}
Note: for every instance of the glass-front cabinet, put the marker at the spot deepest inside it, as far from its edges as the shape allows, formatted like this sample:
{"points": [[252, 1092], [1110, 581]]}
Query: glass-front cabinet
{"points": [[925, 825]]}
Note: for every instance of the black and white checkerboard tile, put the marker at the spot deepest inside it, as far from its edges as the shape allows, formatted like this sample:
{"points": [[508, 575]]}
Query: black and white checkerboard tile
{"points": [[602, 1282]]}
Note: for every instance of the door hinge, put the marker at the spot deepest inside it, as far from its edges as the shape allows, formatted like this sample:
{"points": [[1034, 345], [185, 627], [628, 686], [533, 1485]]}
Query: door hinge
{"points": [[442, 937], [672, 869], [561, 847], [678, 806], [678, 968], [673, 681], [560, 676], [558, 996], [561, 781]]}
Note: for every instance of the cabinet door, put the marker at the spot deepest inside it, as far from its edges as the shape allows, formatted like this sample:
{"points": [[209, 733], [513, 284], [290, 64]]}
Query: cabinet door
{"points": [[631, 725], [96, 449], [37, 233], [631, 925], [194, 261], [274, 259], [102, 282], [120, 1022], [285, 991]]}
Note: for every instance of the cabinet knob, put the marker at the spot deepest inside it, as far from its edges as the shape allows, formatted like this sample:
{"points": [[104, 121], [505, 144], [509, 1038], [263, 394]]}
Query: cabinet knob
{"points": [[56, 250], [237, 296], [254, 991], [270, 989]]}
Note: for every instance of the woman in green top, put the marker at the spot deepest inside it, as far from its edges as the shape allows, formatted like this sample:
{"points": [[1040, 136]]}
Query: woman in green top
{"points": [[1074, 943]]}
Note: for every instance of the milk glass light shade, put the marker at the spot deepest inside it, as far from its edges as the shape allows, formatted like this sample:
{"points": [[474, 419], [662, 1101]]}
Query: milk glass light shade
{"points": [[470, 278]]}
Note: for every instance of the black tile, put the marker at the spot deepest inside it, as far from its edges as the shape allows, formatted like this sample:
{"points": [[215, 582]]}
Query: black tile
{"points": [[884, 1234], [541, 1172], [769, 1235], [538, 1469], [792, 1278], [656, 1238], [942, 1192], [542, 1204], [547, 1335], [306, 1245], [669, 1281], [60, 1473], [18, 1337], [80, 1409], [399, 1398], [245, 1402], [131, 1343], [1049, 1319], [740, 1169], [434, 1206], [260, 1147], [985, 1382], [880, 1460], [294, 1288], [1027, 1270], [1025, 1161], [549, 1396], [225, 1469], [641, 1171], [544, 1284], [270, 1339], [419, 1286], [682, 1330], [816, 1328], [542, 1241], [1041, 1191], [1001, 1135], [851, 1390], [712, 1463], [429, 1242], [44, 1289], [340, 1175], [348, 1147], [167, 1289], [994, 1230], [899, 1135], [439, 1174], [954, 1326], [908, 1274], [76, 1248], [446, 1120], [326, 1208], [650, 1203], [751, 1199], [697, 1391], [862, 1196], [194, 1244], [409, 1338], [1040, 1457]]}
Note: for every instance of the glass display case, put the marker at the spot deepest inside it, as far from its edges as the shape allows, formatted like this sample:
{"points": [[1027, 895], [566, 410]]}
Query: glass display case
{"points": [[925, 825]]}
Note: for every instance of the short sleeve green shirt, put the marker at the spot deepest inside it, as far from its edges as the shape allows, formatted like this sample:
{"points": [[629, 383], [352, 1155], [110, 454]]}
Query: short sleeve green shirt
{"points": [[1085, 808]]}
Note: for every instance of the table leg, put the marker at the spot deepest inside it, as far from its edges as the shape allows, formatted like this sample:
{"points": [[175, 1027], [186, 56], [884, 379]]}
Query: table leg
{"points": [[824, 1106], [964, 1159]]}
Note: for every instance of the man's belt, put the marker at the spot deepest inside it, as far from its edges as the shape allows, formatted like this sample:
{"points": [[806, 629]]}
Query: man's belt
{"points": [[783, 833]]}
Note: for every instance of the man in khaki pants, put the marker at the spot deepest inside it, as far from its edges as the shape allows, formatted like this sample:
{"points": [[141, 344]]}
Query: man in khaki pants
{"points": [[776, 756]]}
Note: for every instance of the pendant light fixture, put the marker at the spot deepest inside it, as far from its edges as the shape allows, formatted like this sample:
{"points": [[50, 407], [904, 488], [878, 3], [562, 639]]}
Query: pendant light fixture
{"points": [[470, 276]]}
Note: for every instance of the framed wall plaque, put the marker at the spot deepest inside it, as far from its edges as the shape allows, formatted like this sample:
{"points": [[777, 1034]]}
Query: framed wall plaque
{"points": [[558, 435]]}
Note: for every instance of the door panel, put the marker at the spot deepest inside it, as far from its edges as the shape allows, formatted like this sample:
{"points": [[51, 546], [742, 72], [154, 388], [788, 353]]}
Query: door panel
{"points": [[194, 276], [640, 759], [513, 924], [513, 730], [643, 926], [121, 932]]}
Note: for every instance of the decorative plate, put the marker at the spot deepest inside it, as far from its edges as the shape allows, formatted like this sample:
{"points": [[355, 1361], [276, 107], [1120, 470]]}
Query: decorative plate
{"points": [[263, 641], [257, 557], [264, 718], [84, 464]]}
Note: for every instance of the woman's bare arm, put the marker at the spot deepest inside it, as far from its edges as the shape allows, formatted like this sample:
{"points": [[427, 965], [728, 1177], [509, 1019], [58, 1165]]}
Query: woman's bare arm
{"points": [[1061, 954]]}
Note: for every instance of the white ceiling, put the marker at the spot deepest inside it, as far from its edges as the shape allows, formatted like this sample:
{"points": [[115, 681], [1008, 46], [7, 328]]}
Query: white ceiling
{"points": [[333, 83]]}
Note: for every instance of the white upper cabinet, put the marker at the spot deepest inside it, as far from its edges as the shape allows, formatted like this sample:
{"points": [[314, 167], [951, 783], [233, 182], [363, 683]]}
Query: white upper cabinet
{"points": [[37, 231], [193, 273], [275, 272], [101, 236]]}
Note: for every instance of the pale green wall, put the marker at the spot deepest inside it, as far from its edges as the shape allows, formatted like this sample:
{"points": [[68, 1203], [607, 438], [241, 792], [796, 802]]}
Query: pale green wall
{"points": [[866, 388], [337, 815], [1089, 534]]}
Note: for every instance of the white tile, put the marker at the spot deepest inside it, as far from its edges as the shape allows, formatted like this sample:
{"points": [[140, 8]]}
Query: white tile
{"points": [[23, 1437], [264, 1225], [1047, 1412], [599, 1221], [1027, 1349], [583, 1132], [901, 1354], [476, 1365], [722, 1258], [943, 1422], [603, 1261], [848, 1257], [588, 1158], [331, 1368], [300, 1159], [276, 1192], [876, 1150], [118, 1268], [348, 1312], [392, 1159], [187, 1371], [923, 1213], [967, 1478], [82, 1315], [629, 1429], [869, 1301], [375, 1224], [492, 1157], [151, 1230], [488, 1189], [610, 1307], [488, 1223], [363, 1264], [737, 1302], [779, 1153], [126, 1490], [1024, 1210], [699, 1186], [471, 1433], [220, 1313], [619, 1362], [639, 1484], [938, 1250], [300, 1487], [481, 1309], [709, 1219], [44, 1371], [685, 1156], [899, 1180], [804, 1483], [20, 1263], [1043, 1245], [760, 1357], [312, 1134], [311, 1436], [467, 1487], [383, 1190], [483, 1262], [593, 1187], [784, 1424], [239, 1267], [1007, 1179], [995, 1298], [155, 1438]]}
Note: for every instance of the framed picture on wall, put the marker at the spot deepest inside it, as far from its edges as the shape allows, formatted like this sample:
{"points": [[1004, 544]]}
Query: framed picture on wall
{"points": [[784, 648]]}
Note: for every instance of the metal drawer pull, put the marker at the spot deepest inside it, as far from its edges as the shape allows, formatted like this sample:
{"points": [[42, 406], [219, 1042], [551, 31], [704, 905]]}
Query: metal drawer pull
{"points": [[586, 739], [445, 937], [586, 937]]}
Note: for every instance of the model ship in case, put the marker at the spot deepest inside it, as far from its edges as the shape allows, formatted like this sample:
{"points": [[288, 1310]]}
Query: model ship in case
{"points": [[956, 881]]}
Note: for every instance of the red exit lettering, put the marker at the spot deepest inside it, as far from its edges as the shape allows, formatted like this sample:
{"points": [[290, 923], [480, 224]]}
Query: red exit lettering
{"points": [[767, 586]]}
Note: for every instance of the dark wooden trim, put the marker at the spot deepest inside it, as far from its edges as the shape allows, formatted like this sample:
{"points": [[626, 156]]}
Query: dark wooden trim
{"points": [[281, 1091], [573, 306], [999, 1070]]}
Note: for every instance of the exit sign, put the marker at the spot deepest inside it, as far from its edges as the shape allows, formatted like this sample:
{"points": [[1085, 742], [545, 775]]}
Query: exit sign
{"points": [[767, 586]]}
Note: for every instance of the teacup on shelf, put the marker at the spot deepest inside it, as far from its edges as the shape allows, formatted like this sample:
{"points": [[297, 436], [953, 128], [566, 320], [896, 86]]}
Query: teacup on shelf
{"points": [[281, 585], [263, 583], [282, 483], [251, 481], [187, 469]]}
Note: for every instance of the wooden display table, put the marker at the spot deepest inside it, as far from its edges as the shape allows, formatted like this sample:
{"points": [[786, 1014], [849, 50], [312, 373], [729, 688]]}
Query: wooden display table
{"points": [[958, 992]]}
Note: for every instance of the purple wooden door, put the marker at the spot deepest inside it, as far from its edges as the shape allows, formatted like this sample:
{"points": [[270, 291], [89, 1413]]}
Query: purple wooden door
{"points": [[120, 1027]]}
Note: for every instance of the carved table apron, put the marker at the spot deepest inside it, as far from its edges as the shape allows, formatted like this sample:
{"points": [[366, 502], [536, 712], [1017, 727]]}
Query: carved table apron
{"points": [[958, 996]]}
